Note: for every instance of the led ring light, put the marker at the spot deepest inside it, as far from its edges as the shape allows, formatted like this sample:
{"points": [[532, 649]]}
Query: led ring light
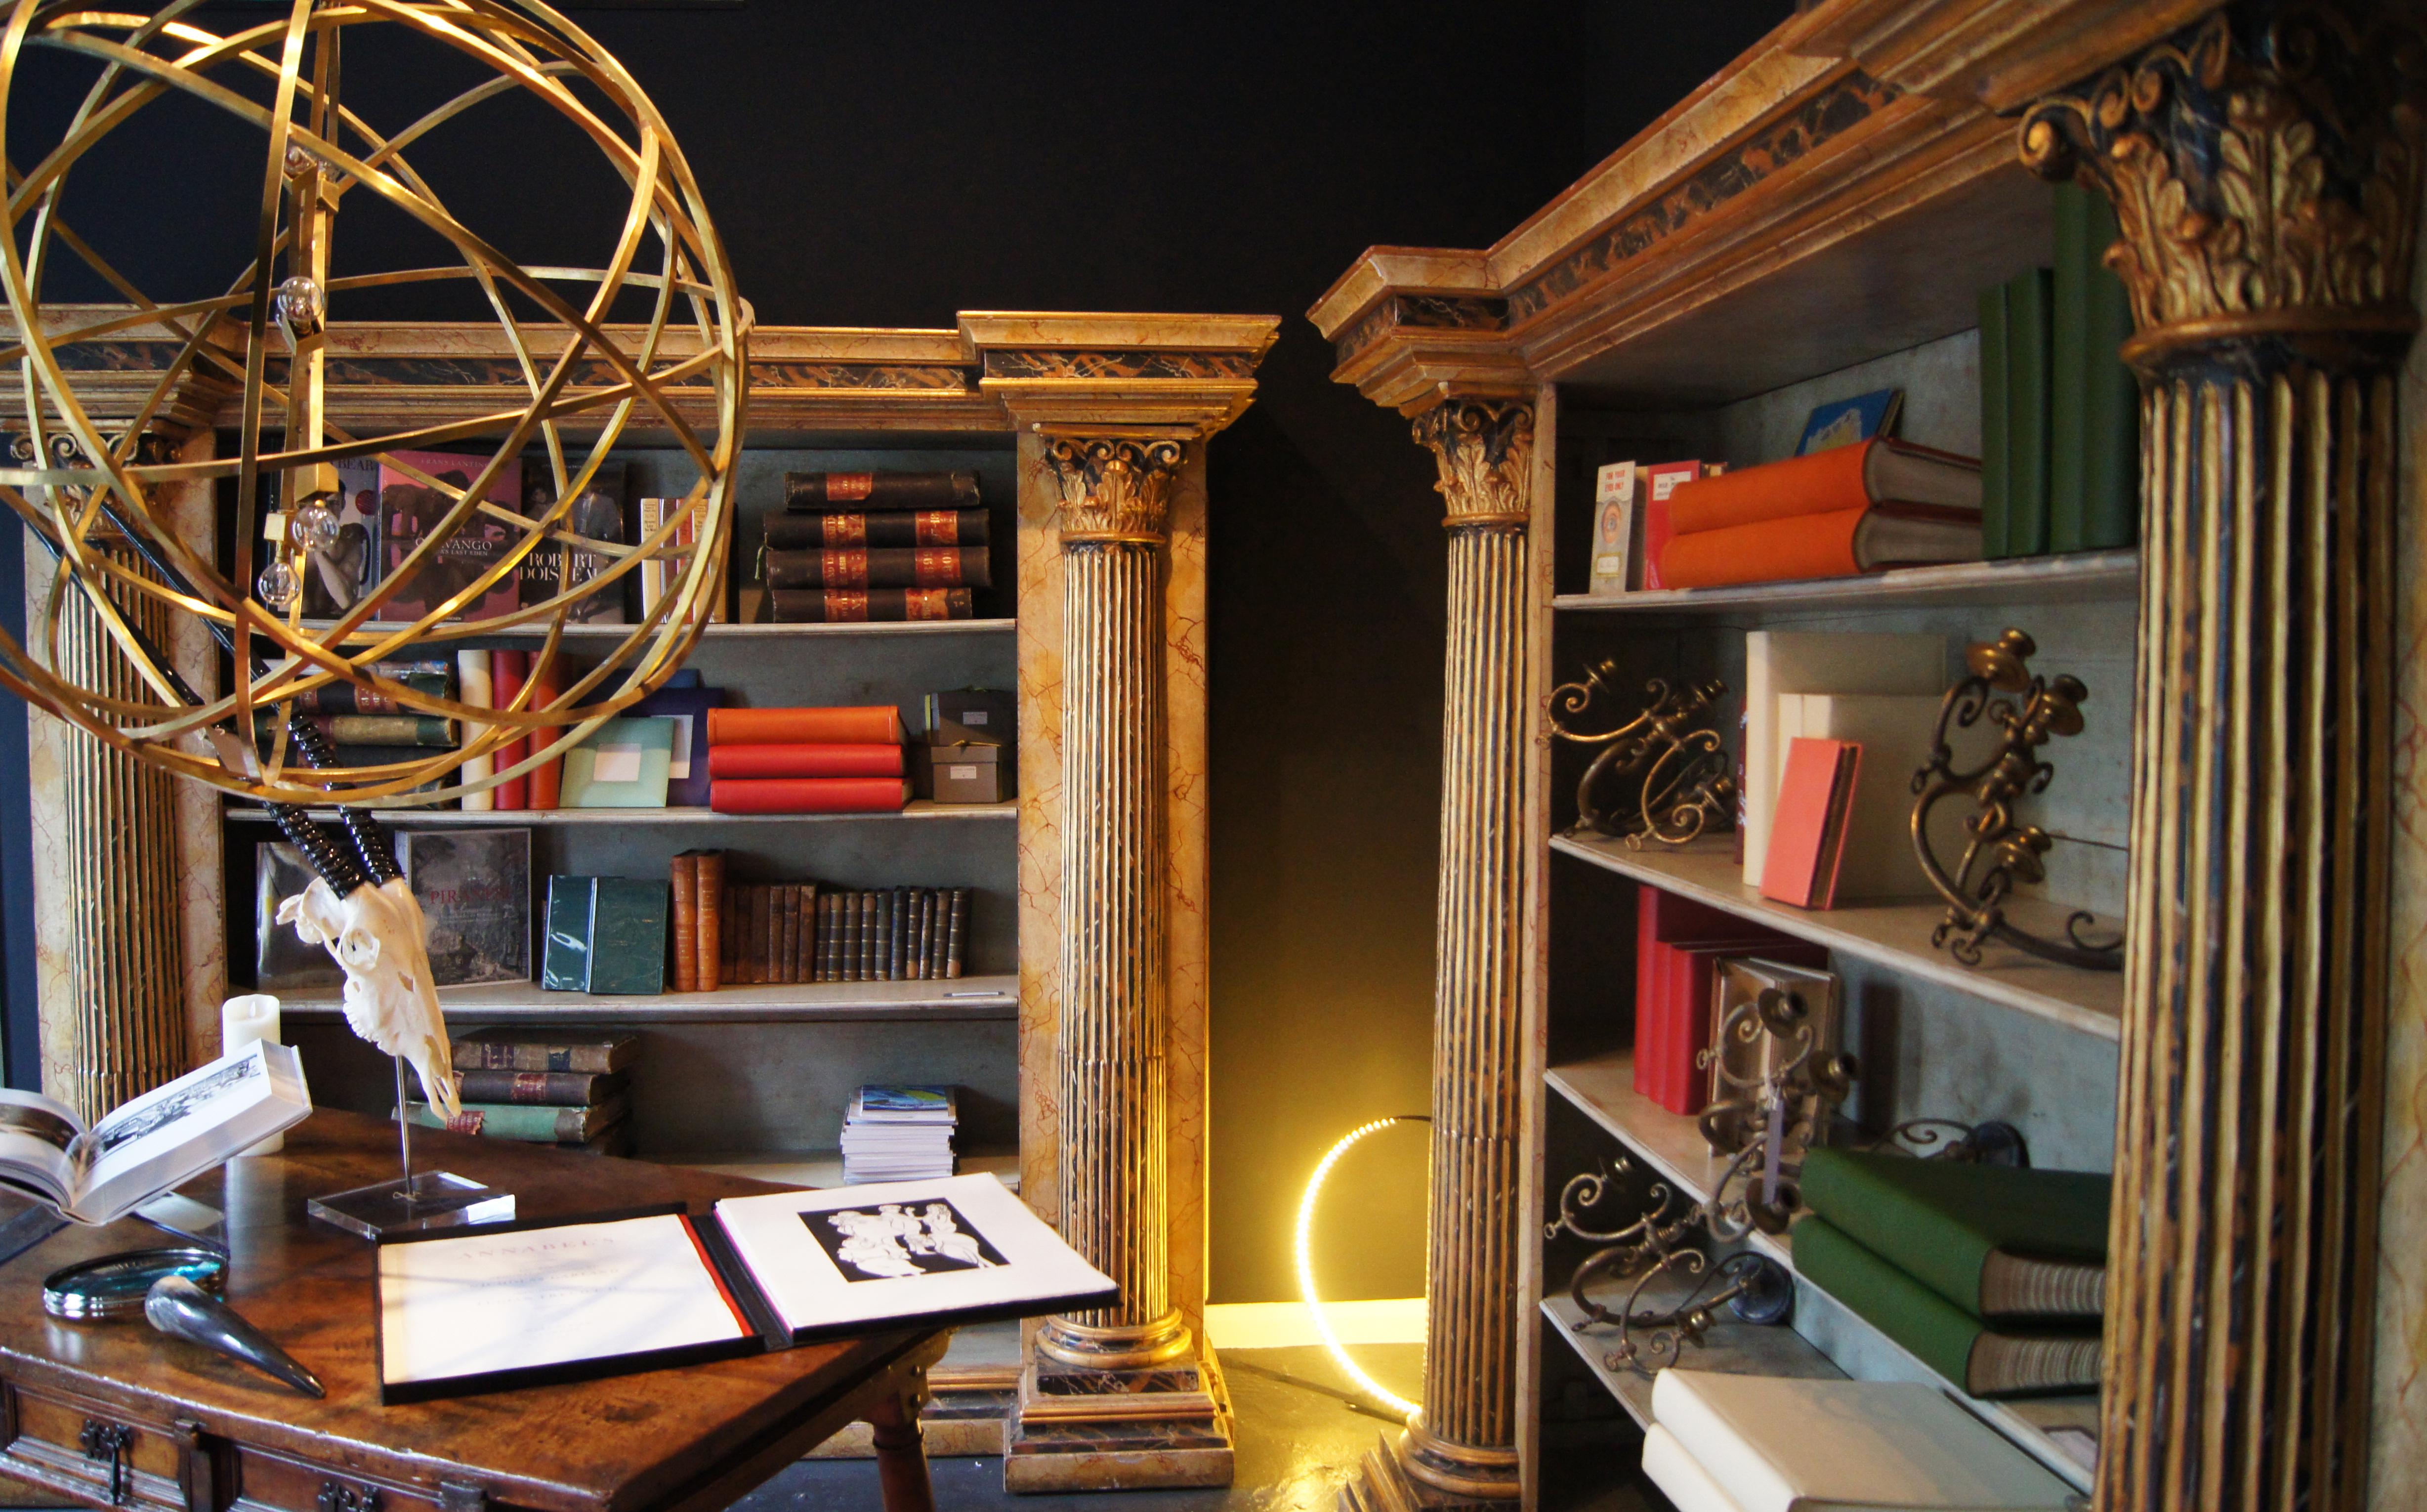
{"points": [[1306, 1260]]}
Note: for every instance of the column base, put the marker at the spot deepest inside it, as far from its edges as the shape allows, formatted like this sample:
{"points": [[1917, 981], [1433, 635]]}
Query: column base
{"points": [[1081, 1429], [967, 1416], [1383, 1484]]}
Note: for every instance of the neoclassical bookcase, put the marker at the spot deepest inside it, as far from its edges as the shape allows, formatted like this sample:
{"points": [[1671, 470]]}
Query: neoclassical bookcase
{"points": [[1813, 222], [1078, 1038]]}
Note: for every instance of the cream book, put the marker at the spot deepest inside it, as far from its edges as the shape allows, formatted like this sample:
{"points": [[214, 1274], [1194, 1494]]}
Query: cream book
{"points": [[159, 1141], [1879, 864], [959, 1250], [1816, 661], [1680, 1476], [1614, 529], [1773, 1444]]}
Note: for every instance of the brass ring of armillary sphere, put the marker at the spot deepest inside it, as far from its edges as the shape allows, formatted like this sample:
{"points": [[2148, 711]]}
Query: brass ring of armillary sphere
{"points": [[91, 492]]}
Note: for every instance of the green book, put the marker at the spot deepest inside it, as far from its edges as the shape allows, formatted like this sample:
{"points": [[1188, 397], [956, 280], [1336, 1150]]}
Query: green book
{"points": [[534, 1125], [2029, 300], [2069, 358], [628, 935], [1982, 1361], [1996, 469], [1994, 1241], [2110, 495], [564, 958]]}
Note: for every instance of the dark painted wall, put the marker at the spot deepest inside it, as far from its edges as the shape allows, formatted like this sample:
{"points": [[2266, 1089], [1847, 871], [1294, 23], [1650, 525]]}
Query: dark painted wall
{"points": [[891, 163]]}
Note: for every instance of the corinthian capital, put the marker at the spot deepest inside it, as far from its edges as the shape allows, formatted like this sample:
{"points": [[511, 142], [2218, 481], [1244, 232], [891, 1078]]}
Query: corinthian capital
{"points": [[1483, 448], [1114, 490], [2265, 165]]}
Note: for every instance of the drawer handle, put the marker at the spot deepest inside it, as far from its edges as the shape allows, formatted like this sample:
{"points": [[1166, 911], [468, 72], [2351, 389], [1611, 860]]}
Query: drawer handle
{"points": [[110, 1442], [335, 1497]]}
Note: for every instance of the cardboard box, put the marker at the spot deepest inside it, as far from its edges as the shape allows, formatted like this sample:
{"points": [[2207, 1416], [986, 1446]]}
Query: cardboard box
{"points": [[968, 773], [977, 715]]}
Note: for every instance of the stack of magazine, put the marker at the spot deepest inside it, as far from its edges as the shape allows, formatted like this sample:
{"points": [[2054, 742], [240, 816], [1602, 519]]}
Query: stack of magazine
{"points": [[899, 1134]]}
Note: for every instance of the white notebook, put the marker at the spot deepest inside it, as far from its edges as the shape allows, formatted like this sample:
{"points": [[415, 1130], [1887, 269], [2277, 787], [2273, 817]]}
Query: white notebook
{"points": [[1680, 1476], [1816, 661], [1773, 1444]]}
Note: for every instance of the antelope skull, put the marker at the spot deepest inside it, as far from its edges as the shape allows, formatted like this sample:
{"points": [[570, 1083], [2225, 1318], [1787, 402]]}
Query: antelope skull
{"points": [[377, 935]]}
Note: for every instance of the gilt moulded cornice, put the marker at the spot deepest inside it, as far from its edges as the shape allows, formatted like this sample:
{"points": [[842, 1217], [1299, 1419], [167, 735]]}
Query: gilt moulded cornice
{"points": [[1999, 52], [1175, 376]]}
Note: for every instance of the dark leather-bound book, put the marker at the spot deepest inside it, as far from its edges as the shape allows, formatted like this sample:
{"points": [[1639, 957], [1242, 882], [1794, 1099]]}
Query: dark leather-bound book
{"points": [[754, 945], [546, 1089], [854, 606], [907, 528], [511, 1050], [880, 567], [825, 946], [960, 929], [852, 931], [731, 923], [805, 940], [871, 492]]}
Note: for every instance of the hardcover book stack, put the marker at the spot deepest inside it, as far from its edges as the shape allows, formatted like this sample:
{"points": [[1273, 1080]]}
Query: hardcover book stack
{"points": [[566, 1088], [899, 1134], [2059, 413], [1847, 509], [769, 933], [875, 545], [807, 760], [1995, 1277], [370, 728], [1678, 946], [1760, 1443]]}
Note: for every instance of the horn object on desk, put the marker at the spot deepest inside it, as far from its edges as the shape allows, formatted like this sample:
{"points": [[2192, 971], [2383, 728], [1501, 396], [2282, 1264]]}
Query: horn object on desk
{"points": [[181, 1309]]}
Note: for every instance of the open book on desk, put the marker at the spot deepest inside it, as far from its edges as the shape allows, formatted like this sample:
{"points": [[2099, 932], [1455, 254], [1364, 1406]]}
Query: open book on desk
{"points": [[536, 1303], [159, 1141]]}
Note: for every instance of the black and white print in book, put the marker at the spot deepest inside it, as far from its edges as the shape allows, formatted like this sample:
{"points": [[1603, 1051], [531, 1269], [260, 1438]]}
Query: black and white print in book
{"points": [[111, 1133], [895, 1240]]}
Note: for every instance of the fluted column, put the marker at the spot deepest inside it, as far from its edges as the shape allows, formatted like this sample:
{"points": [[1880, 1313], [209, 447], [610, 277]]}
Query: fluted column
{"points": [[2265, 166], [1464, 1441], [1116, 1018]]}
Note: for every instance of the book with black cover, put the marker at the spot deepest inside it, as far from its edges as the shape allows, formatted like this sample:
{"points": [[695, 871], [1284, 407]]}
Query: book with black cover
{"points": [[881, 490]]}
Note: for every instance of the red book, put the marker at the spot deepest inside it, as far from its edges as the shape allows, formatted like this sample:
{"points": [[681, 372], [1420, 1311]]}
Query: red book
{"points": [[809, 795], [1673, 990], [547, 779], [1807, 831], [1692, 1009], [1836, 544], [1659, 482], [804, 761], [508, 672], [877, 725]]}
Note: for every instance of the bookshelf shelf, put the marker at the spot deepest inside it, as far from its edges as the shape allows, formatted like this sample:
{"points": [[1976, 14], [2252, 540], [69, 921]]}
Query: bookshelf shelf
{"points": [[2089, 576], [1730, 1348], [916, 809], [1603, 1089], [1892, 934], [748, 633], [936, 1002]]}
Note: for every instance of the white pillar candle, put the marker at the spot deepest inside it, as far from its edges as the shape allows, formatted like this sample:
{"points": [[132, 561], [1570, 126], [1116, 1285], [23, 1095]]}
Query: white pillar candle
{"points": [[243, 1020]]}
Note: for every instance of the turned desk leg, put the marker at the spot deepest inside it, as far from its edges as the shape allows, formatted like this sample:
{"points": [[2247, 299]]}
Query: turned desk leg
{"points": [[902, 1450]]}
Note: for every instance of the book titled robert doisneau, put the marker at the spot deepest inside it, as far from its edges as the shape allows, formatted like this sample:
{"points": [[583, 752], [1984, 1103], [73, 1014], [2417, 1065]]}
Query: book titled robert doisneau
{"points": [[161, 1140]]}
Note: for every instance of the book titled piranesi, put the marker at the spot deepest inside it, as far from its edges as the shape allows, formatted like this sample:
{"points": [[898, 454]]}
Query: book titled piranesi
{"points": [[475, 889]]}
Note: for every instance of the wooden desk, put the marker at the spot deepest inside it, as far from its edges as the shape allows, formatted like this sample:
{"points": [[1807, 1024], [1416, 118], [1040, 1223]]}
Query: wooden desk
{"points": [[210, 1436]]}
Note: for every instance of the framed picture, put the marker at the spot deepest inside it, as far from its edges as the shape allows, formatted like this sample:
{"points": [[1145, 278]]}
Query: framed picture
{"points": [[475, 889], [1844, 422], [625, 764], [686, 764]]}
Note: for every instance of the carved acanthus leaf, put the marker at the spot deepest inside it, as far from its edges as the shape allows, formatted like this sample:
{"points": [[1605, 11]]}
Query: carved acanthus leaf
{"points": [[1484, 448], [2273, 169], [1113, 489]]}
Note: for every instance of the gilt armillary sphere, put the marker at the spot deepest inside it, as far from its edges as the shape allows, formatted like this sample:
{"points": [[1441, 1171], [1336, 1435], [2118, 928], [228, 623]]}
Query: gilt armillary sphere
{"points": [[89, 490]]}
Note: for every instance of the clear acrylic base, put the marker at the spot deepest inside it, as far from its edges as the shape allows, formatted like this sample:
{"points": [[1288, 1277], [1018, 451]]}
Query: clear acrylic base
{"points": [[426, 1200]]}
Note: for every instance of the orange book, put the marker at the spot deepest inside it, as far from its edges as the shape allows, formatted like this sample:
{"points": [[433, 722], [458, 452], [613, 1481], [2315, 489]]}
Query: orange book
{"points": [[875, 725], [685, 921], [547, 778], [710, 944], [1896, 476], [1807, 831], [508, 671], [1836, 544]]}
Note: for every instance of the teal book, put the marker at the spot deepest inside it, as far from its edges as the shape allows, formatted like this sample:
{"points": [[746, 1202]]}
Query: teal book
{"points": [[527, 1122], [625, 763], [628, 937], [2111, 492], [2070, 354], [2028, 332], [564, 956], [1994, 1240], [1996, 469], [1981, 1358]]}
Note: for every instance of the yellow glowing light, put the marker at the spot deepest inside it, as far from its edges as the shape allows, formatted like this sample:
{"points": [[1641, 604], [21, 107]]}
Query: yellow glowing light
{"points": [[1306, 1266]]}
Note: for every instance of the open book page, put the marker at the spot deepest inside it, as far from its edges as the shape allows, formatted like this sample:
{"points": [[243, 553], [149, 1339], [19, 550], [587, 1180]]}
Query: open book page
{"points": [[832, 1262], [537, 1299], [36, 1136], [173, 1133]]}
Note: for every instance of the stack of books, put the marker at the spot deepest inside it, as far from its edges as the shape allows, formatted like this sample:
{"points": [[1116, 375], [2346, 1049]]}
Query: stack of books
{"points": [[1994, 1277], [875, 545], [1847, 509], [899, 1134], [698, 883], [1678, 946], [369, 729], [2059, 413], [1760, 1443], [787, 931], [495, 679], [566, 1088], [807, 760]]}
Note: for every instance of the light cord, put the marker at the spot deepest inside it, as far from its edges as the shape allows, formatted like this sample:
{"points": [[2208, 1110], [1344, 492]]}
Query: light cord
{"points": [[1306, 1264]]}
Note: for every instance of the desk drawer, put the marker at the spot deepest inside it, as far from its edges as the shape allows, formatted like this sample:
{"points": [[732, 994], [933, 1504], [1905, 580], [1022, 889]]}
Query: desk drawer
{"points": [[263, 1481], [97, 1452]]}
